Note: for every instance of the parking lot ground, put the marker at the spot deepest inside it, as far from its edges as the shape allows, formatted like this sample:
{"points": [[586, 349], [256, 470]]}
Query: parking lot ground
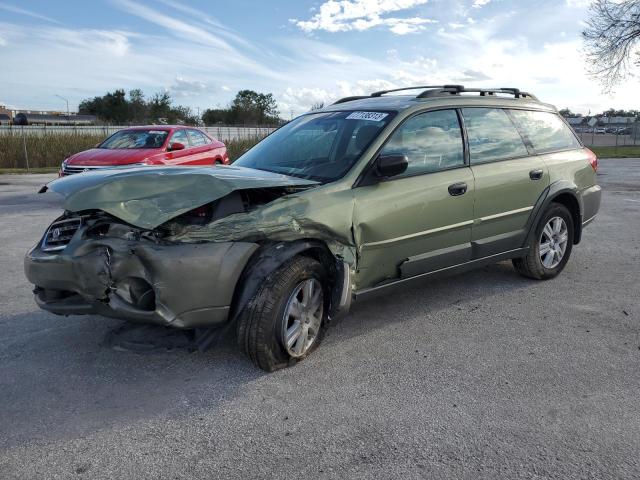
{"points": [[481, 375]]}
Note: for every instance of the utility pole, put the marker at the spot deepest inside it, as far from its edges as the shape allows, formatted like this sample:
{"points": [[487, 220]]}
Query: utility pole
{"points": [[59, 96]]}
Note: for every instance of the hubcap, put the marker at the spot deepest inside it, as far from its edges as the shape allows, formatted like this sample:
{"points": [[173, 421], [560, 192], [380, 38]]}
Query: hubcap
{"points": [[553, 242], [302, 317]]}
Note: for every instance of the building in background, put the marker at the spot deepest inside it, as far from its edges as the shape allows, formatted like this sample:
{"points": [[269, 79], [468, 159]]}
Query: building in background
{"points": [[6, 115]]}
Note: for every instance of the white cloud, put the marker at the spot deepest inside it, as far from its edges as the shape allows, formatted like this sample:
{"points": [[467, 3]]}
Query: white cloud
{"points": [[480, 3], [346, 15], [3, 42], [24, 11], [579, 3], [203, 66], [184, 88]]}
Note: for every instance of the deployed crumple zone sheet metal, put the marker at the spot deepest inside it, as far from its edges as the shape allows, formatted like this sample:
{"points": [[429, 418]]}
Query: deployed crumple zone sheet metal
{"points": [[309, 215], [147, 197]]}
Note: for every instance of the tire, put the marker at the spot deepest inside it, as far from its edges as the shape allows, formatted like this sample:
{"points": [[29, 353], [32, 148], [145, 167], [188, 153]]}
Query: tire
{"points": [[261, 326], [537, 264]]}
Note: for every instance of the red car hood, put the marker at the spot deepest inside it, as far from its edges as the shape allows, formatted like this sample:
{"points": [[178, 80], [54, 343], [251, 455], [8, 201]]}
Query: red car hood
{"points": [[104, 157]]}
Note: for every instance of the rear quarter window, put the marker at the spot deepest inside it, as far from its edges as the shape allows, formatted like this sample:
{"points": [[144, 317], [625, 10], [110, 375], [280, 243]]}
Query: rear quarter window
{"points": [[545, 131], [492, 135]]}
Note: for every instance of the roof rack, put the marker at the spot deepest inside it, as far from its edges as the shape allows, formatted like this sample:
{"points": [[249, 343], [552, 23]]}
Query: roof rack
{"points": [[430, 91], [349, 99]]}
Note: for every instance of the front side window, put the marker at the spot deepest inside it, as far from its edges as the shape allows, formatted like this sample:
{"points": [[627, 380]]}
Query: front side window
{"points": [[180, 136], [431, 141], [492, 135], [318, 146], [545, 130], [132, 139]]}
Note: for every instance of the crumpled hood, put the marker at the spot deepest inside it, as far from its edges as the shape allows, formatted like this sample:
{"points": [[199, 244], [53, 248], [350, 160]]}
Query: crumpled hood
{"points": [[147, 197], [105, 157]]}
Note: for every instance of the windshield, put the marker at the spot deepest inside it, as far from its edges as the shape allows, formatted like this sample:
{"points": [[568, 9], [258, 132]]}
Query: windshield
{"points": [[135, 139], [317, 146]]}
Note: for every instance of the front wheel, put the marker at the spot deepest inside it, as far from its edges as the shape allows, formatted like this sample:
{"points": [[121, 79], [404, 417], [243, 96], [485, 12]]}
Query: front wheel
{"points": [[285, 320], [551, 245]]}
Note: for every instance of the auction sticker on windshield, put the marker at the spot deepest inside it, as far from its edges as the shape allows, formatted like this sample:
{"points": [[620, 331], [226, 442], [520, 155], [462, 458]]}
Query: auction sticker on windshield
{"points": [[375, 116]]}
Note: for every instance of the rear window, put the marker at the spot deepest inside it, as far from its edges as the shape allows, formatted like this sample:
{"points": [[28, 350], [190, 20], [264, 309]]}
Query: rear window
{"points": [[545, 131], [492, 135]]}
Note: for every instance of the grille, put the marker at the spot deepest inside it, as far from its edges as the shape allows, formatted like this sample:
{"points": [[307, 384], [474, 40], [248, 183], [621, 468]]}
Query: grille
{"points": [[59, 234], [73, 169]]}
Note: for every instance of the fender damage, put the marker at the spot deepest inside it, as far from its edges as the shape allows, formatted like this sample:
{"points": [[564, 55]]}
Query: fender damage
{"points": [[140, 256]]}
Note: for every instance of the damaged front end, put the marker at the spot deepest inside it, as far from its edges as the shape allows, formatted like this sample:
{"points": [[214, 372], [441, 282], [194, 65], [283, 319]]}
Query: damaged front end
{"points": [[180, 246], [115, 270]]}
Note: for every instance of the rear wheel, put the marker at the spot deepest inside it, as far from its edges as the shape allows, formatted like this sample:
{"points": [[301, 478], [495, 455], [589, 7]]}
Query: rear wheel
{"points": [[551, 245], [285, 320]]}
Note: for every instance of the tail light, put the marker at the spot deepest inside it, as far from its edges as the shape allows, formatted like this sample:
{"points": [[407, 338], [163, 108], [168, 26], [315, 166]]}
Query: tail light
{"points": [[200, 212], [593, 160]]}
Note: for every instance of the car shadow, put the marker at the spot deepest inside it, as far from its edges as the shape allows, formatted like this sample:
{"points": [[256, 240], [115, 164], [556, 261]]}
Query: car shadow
{"points": [[67, 377]]}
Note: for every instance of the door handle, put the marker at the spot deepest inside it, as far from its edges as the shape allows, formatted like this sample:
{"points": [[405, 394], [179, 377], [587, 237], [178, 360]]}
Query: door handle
{"points": [[456, 189], [536, 174]]}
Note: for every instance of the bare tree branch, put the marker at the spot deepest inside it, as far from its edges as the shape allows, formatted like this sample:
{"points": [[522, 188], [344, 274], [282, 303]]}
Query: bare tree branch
{"points": [[611, 40]]}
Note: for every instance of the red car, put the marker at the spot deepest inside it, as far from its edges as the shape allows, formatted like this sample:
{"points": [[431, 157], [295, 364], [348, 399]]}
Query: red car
{"points": [[154, 145]]}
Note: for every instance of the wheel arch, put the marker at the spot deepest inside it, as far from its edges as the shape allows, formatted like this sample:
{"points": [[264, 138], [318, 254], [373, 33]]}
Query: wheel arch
{"points": [[564, 193], [272, 256]]}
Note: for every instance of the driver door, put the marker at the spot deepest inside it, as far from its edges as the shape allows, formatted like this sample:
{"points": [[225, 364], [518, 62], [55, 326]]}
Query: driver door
{"points": [[179, 157], [418, 221]]}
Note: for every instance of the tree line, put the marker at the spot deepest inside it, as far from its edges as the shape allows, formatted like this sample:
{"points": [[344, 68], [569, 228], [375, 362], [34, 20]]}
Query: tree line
{"points": [[119, 108], [612, 112]]}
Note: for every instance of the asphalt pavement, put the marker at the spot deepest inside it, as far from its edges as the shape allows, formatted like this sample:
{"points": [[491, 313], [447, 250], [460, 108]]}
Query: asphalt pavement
{"points": [[480, 375]]}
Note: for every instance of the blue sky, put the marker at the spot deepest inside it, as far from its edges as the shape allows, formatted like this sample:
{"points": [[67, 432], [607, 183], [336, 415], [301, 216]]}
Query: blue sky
{"points": [[202, 52]]}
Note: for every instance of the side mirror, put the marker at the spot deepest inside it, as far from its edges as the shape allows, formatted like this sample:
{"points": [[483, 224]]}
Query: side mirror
{"points": [[176, 146], [391, 165]]}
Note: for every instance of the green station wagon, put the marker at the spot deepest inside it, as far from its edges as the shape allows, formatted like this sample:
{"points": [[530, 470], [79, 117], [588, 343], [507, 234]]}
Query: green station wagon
{"points": [[342, 203]]}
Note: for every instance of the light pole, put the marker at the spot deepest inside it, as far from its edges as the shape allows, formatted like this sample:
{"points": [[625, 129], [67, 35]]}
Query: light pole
{"points": [[60, 96]]}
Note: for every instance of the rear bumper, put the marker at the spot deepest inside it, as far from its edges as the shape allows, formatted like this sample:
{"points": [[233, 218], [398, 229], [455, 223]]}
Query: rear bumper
{"points": [[178, 285], [591, 198]]}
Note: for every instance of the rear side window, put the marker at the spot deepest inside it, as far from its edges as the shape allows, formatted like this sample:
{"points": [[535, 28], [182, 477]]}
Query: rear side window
{"points": [[545, 131], [197, 138], [431, 141], [492, 135]]}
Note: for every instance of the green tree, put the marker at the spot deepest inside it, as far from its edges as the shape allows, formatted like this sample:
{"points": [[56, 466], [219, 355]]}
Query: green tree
{"points": [[252, 107], [213, 116], [137, 106], [160, 107], [183, 114]]}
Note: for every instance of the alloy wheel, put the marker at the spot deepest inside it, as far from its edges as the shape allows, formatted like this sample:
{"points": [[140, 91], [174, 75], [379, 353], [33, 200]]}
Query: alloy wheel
{"points": [[553, 242], [302, 317]]}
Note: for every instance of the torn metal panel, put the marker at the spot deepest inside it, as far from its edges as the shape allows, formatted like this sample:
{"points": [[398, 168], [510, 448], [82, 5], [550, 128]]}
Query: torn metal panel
{"points": [[310, 215], [147, 197]]}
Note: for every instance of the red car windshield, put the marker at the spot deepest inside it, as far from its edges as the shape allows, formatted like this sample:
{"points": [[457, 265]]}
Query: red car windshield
{"points": [[130, 139]]}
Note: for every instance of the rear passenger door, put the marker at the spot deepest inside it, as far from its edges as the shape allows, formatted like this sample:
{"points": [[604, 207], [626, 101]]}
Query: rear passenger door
{"points": [[508, 180], [201, 151]]}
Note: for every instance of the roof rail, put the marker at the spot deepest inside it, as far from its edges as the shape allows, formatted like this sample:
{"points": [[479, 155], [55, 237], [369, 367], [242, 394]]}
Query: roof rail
{"points": [[349, 99], [421, 87], [443, 90]]}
